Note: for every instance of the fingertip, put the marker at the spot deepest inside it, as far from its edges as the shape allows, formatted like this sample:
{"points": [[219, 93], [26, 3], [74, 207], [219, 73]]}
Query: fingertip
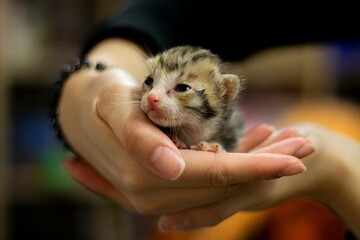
{"points": [[292, 170], [261, 128], [305, 150], [269, 127], [68, 162], [274, 165], [73, 162], [174, 222], [254, 136]]}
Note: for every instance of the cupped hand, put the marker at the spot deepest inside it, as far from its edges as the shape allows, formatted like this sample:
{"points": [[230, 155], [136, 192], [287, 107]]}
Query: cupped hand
{"points": [[125, 157], [332, 178]]}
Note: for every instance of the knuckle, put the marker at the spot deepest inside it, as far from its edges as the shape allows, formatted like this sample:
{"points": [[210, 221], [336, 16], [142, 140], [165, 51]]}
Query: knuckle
{"points": [[141, 206], [144, 205], [141, 195], [133, 132], [138, 197], [217, 174], [133, 184]]}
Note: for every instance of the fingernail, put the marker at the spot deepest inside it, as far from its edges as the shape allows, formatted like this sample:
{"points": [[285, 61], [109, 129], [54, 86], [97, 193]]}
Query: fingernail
{"points": [[67, 162], [305, 150], [174, 223], [168, 163], [292, 170]]}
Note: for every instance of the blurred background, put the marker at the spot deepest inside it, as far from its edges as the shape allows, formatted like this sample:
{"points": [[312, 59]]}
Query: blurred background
{"points": [[38, 200]]}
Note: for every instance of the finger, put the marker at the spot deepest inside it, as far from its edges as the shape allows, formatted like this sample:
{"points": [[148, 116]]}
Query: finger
{"points": [[220, 169], [156, 201], [89, 177], [281, 135], [138, 135], [172, 196], [212, 214], [253, 137], [296, 146], [160, 201], [204, 216], [190, 219], [153, 148]]}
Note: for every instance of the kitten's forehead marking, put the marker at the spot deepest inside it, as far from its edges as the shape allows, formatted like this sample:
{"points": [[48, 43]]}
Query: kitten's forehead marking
{"points": [[165, 79], [184, 64]]}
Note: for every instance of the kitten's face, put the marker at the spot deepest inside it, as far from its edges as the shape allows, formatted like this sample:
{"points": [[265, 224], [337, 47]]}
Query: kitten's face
{"points": [[184, 87], [172, 98]]}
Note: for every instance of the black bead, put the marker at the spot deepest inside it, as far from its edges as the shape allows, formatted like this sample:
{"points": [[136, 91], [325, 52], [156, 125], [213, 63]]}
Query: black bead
{"points": [[86, 63], [100, 67], [66, 69], [77, 65]]}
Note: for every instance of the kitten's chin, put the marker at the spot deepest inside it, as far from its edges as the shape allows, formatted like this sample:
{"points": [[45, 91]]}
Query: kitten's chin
{"points": [[161, 121]]}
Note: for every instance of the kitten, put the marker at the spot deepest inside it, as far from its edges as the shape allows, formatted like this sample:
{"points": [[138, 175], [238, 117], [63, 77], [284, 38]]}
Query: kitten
{"points": [[189, 97]]}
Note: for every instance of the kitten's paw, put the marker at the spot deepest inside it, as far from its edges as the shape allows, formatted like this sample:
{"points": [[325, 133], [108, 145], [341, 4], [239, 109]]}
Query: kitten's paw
{"points": [[209, 147]]}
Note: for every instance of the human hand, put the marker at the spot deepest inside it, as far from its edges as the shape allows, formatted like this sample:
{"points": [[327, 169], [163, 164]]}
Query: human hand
{"points": [[332, 178], [135, 187], [120, 147], [89, 102]]}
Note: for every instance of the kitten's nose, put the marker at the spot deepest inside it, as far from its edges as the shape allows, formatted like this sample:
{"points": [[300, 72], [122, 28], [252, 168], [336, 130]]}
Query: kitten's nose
{"points": [[152, 100]]}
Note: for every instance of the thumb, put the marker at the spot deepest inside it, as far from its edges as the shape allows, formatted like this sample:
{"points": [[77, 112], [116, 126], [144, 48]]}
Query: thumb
{"points": [[140, 138], [153, 148]]}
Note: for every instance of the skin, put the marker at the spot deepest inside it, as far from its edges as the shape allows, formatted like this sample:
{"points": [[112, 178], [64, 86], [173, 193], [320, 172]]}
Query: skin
{"points": [[132, 162], [332, 177]]}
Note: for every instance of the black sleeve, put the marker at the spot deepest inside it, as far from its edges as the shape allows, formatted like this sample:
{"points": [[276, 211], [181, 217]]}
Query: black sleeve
{"points": [[150, 23], [229, 28]]}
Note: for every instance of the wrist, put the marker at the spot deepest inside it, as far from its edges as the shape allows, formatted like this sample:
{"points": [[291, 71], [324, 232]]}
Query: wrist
{"points": [[67, 72], [337, 176], [344, 197]]}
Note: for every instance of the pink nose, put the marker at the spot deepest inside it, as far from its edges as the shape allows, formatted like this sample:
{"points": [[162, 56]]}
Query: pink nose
{"points": [[152, 100]]}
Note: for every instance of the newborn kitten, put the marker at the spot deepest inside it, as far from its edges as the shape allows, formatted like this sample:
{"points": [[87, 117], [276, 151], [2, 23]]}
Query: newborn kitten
{"points": [[189, 97]]}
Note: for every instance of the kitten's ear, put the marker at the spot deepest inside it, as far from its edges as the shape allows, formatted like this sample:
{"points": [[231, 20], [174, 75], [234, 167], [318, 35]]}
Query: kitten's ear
{"points": [[232, 86]]}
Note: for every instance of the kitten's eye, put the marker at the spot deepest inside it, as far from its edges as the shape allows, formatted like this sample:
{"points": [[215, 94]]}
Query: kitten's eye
{"points": [[182, 88], [149, 81]]}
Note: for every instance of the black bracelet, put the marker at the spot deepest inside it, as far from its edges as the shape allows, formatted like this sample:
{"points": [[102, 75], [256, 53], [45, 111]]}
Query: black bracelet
{"points": [[75, 65]]}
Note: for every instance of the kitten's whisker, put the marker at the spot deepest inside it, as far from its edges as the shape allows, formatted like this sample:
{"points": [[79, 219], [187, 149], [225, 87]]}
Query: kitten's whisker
{"points": [[131, 96], [140, 50], [127, 102], [137, 61]]}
